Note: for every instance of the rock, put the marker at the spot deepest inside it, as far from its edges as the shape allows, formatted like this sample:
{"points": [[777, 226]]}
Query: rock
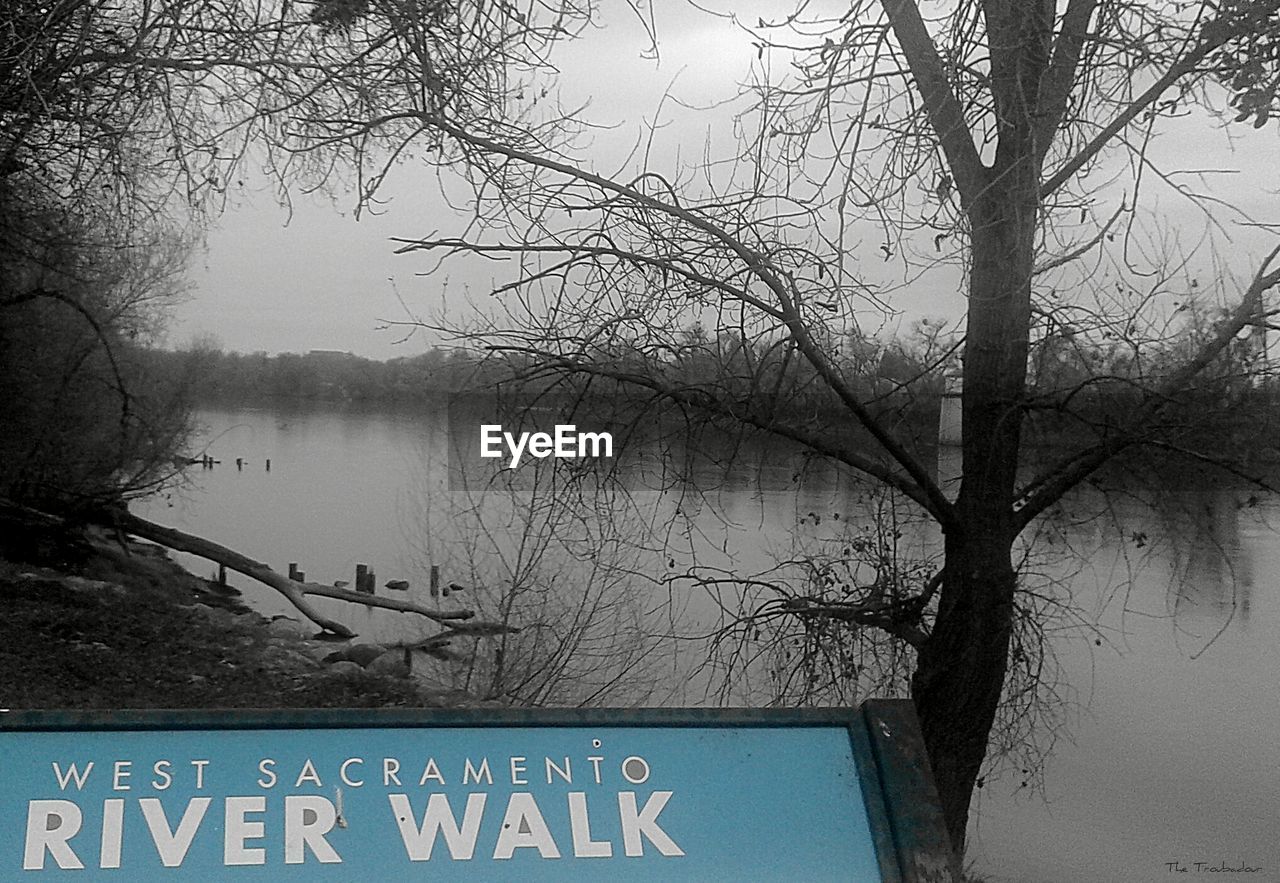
{"points": [[220, 616], [345, 667], [360, 654], [288, 659], [92, 586], [318, 652], [390, 663], [286, 628]]}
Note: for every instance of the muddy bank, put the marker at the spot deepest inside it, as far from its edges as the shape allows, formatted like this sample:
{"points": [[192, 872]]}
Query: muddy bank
{"points": [[94, 627]]}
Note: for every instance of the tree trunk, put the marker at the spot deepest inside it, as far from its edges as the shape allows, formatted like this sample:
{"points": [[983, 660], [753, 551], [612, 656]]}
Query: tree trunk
{"points": [[960, 672], [961, 667]]}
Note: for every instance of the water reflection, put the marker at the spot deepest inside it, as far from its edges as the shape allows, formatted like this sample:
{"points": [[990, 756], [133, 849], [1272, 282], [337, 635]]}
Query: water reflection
{"points": [[1173, 754], [1213, 569]]}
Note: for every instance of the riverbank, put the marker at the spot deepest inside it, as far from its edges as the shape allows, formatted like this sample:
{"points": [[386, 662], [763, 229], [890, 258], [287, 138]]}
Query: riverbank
{"points": [[93, 627]]}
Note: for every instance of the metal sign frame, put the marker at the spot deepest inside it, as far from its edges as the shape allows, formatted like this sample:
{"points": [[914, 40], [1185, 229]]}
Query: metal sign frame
{"points": [[899, 795]]}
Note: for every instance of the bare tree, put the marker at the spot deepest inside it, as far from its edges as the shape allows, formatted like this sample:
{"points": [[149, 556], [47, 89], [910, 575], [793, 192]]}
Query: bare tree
{"points": [[117, 124], [969, 138], [552, 556], [85, 421], [973, 139]]}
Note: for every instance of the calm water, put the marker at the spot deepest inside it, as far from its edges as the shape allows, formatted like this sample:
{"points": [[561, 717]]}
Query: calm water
{"points": [[1172, 755]]}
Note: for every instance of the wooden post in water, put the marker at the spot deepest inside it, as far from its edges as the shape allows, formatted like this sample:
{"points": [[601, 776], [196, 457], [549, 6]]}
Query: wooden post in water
{"points": [[296, 574], [239, 464], [268, 464], [362, 577], [373, 583], [222, 574], [435, 581]]}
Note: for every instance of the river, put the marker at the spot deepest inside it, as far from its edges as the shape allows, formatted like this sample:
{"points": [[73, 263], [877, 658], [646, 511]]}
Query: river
{"points": [[1170, 757]]}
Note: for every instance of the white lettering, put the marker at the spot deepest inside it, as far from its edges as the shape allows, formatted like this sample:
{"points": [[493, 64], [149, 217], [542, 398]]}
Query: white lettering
{"points": [[199, 765], [173, 846], [266, 766], [238, 829], [566, 773], [390, 771], [161, 768], [541, 445], [566, 443], [595, 762], [308, 774], [430, 771], [122, 770], [112, 833], [471, 774], [635, 770], [72, 774], [489, 439], [596, 439], [307, 818], [644, 822], [517, 771], [523, 826], [342, 771], [50, 824], [516, 449], [418, 840], [580, 823]]}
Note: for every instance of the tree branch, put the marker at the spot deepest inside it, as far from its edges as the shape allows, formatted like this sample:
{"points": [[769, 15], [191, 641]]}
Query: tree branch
{"points": [[1070, 472], [761, 267], [944, 110], [1055, 89], [1184, 65], [707, 401]]}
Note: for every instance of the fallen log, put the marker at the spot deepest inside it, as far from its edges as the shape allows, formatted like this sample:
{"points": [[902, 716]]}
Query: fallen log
{"points": [[123, 520], [292, 589], [440, 616], [185, 542]]}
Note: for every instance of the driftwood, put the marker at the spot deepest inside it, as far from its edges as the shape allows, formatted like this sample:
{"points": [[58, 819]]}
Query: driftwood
{"points": [[292, 589], [119, 519], [185, 542], [440, 616]]}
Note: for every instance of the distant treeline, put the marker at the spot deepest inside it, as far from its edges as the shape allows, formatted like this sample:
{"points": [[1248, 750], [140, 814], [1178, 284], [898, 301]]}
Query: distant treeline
{"points": [[772, 387], [326, 375], [1079, 393]]}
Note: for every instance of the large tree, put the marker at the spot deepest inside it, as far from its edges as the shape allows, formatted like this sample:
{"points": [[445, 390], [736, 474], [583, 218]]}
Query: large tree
{"points": [[108, 130], [974, 144], [976, 139]]}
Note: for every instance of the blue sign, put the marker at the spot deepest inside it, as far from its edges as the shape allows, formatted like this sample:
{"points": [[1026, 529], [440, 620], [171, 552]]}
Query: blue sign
{"points": [[564, 797]]}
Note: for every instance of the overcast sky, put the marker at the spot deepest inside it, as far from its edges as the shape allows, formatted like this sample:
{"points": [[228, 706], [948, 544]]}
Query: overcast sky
{"points": [[321, 280]]}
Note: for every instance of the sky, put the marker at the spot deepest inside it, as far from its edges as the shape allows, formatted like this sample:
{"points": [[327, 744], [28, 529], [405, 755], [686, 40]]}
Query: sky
{"points": [[314, 277]]}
